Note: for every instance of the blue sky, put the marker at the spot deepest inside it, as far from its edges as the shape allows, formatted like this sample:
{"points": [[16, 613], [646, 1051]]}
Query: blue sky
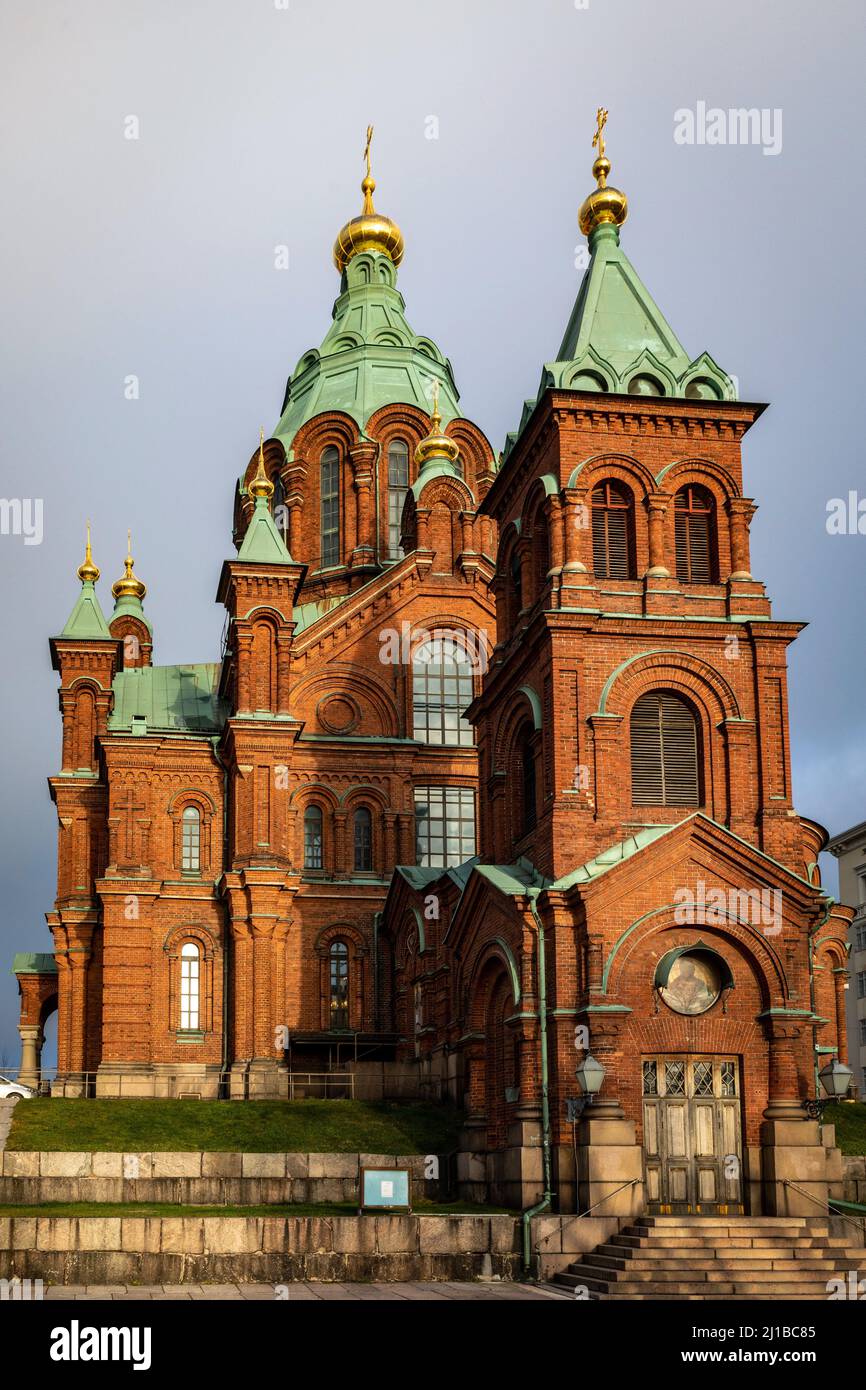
{"points": [[155, 258]]}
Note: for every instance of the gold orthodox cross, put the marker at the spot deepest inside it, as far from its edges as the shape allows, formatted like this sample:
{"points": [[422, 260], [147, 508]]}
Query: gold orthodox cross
{"points": [[598, 138], [367, 148]]}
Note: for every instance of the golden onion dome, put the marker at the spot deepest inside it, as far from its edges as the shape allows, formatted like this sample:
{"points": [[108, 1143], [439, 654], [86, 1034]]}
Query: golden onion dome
{"points": [[604, 204], [88, 572], [370, 231], [260, 484], [436, 444], [129, 586]]}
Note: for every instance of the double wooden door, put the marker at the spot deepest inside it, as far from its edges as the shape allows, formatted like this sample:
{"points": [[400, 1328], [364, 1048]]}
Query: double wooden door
{"points": [[692, 1134]]}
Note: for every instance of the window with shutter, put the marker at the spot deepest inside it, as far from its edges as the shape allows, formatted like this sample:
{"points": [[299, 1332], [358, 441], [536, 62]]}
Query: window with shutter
{"points": [[664, 752], [694, 535], [612, 532]]}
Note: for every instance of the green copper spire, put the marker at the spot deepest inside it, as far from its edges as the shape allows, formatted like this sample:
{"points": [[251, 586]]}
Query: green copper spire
{"points": [[617, 339], [86, 618], [263, 543]]}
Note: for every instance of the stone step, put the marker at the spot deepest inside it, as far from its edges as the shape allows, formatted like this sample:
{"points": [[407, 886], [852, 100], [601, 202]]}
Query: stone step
{"points": [[732, 1220], [702, 1298], [708, 1242], [686, 1274], [722, 1289], [778, 1260], [740, 1230]]}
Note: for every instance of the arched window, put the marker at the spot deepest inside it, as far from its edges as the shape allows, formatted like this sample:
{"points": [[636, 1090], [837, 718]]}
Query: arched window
{"points": [[526, 754], [313, 857], [338, 963], [190, 840], [329, 489], [190, 978], [612, 531], [694, 531], [664, 752], [363, 829], [442, 689], [398, 484], [515, 576], [278, 505]]}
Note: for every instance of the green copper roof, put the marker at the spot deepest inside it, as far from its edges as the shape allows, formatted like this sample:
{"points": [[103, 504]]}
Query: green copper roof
{"points": [[86, 618], [615, 854], [618, 340], [168, 698], [263, 542], [33, 963], [131, 607], [370, 357]]}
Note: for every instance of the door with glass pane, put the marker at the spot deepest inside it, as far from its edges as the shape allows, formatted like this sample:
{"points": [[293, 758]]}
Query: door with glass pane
{"points": [[691, 1134]]}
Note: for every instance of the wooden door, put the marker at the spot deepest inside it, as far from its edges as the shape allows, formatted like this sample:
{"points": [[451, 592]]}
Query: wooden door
{"points": [[692, 1145]]}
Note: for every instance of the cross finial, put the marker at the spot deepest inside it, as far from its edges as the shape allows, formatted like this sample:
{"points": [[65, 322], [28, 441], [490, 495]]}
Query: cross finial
{"points": [[367, 148], [601, 121], [598, 138]]}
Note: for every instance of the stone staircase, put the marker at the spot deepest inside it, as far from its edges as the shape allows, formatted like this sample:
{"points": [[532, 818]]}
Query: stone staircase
{"points": [[719, 1257]]}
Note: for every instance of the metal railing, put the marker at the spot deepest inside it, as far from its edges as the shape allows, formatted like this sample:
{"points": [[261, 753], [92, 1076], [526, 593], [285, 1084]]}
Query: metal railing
{"points": [[230, 1084], [828, 1204]]}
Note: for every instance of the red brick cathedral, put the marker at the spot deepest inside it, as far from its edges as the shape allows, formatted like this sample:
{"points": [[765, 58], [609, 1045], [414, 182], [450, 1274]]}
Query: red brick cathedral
{"points": [[487, 796]]}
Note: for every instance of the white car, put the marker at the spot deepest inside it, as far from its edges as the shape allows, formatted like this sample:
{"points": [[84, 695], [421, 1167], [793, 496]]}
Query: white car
{"points": [[14, 1088]]}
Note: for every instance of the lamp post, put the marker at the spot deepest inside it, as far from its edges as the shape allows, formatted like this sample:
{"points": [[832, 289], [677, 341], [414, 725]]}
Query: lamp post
{"points": [[835, 1077]]}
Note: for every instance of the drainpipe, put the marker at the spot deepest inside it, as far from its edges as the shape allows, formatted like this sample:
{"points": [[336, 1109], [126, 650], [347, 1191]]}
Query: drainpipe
{"points": [[544, 1203], [227, 946]]}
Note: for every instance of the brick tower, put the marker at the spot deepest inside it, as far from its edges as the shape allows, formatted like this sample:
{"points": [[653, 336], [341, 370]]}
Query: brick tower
{"points": [[646, 892]]}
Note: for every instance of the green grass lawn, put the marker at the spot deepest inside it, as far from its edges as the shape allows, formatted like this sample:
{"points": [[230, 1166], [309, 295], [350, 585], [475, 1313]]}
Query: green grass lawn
{"points": [[296, 1126], [127, 1209], [850, 1122]]}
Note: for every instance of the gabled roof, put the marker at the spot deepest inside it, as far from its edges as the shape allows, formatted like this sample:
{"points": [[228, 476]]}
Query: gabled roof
{"points": [[168, 698]]}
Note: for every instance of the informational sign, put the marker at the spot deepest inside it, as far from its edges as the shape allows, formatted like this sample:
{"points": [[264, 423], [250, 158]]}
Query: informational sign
{"points": [[385, 1189]]}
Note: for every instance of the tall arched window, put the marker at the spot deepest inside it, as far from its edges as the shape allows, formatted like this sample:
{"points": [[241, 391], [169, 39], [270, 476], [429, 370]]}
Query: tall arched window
{"points": [[398, 484], [313, 857], [612, 531], [694, 531], [362, 823], [664, 752], [442, 690], [329, 489], [190, 980], [338, 962], [526, 754], [190, 840]]}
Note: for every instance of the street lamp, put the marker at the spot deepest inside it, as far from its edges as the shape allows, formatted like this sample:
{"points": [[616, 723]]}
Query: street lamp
{"points": [[590, 1075], [835, 1077]]}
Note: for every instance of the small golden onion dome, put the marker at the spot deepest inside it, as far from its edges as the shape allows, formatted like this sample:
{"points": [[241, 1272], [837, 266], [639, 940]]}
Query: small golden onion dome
{"points": [[261, 485], [436, 444], [370, 231], [604, 205], [88, 572], [128, 586]]}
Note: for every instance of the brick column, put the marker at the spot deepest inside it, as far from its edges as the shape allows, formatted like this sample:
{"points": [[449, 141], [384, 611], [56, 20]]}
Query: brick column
{"points": [[363, 457], [657, 506]]}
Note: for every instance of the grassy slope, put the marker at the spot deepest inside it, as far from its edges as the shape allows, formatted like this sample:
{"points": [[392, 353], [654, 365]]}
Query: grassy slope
{"points": [[130, 1209], [850, 1122], [300, 1126]]}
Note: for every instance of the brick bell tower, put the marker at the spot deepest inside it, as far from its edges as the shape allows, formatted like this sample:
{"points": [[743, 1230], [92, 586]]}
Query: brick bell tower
{"points": [[633, 745]]}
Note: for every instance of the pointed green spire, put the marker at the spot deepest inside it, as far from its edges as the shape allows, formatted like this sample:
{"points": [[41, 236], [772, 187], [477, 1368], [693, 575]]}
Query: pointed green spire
{"points": [[263, 542], [87, 618], [617, 339]]}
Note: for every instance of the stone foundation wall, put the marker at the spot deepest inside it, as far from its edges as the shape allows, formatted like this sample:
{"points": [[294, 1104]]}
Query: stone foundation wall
{"points": [[854, 1179], [202, 1179], [213, 1249]]}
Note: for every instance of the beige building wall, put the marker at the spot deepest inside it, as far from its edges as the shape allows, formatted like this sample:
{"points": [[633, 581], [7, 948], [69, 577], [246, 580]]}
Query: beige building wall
{"points": [[850, 850]]}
